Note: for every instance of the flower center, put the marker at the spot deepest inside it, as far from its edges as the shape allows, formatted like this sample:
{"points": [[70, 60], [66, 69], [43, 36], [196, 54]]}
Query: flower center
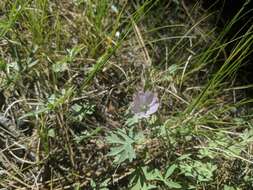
{"points": [[144, 108]]}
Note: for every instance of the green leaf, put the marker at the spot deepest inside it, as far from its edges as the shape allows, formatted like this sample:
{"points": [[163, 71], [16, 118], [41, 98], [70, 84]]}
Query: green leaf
{"points": [[60, 67], [72, 53], [173, 68], [3, 65], [141, 185], [123, 142], [172, 184], [132, 121], [77, 186], [51, 133], [153, 174], [34, 113], [77, 108], [170, 171], [226, 187]]}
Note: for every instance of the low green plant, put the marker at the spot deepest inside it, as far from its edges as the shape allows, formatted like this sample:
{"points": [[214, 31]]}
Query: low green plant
{"points": [[123, 142], [150, 178]]}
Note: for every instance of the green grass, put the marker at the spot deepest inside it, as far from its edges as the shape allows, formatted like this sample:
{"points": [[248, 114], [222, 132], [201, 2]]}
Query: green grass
{"points": [[69, 70]]}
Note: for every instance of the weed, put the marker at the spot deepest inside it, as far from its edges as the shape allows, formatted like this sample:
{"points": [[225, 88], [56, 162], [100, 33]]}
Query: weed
{"points": [[99, 94]]}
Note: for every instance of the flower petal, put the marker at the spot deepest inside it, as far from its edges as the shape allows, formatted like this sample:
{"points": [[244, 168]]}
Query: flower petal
{"points": [[136, 105], [144, 104], [148, 96], [153, 108], [141, 115]]}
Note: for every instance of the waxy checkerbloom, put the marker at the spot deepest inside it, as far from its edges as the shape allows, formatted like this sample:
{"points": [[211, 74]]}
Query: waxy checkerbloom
{"points": [[145, 104]]}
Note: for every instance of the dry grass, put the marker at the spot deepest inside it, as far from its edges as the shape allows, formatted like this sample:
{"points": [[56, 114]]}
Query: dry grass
{"points": [[68, 80]]}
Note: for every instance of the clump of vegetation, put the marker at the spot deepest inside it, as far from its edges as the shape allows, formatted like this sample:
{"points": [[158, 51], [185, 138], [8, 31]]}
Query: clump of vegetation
{"points": [[104, 94]]}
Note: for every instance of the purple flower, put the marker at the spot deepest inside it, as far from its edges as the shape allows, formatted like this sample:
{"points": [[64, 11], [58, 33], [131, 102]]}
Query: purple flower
{"points": [[145, 104]]}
